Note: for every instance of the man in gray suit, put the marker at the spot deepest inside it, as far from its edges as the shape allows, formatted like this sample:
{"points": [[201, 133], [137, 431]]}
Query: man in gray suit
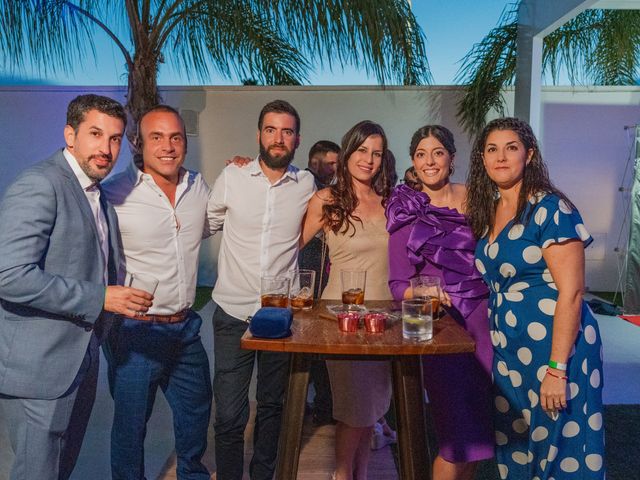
{"points": [[58, 253]]}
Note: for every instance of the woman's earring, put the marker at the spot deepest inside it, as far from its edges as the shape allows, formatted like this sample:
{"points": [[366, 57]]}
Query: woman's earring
{"points": [[452, 169]]}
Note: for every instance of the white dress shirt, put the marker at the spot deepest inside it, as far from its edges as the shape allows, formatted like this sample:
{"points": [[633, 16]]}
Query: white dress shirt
{"points": [[262, 223], [92, 192], [159, 239]]}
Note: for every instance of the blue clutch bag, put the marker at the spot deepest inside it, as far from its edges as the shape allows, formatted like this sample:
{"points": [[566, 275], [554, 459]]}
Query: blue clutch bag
{"points": [[271, 322]]}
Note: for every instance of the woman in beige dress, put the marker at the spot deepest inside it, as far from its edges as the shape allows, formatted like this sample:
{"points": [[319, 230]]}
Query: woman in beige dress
{"points": [[351, 213]]}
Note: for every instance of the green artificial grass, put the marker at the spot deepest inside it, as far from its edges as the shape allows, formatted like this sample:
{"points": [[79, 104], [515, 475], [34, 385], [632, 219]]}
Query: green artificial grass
{"points": [[203, 295], [622, 436], [613, 297]]}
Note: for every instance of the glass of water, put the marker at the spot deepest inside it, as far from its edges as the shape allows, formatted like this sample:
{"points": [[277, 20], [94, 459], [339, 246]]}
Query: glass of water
{"points": [[417, 321]]}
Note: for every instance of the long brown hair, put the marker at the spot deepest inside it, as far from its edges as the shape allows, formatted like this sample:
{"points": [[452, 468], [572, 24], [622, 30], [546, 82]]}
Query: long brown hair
{"points": [[482, 192], [338, 214]]}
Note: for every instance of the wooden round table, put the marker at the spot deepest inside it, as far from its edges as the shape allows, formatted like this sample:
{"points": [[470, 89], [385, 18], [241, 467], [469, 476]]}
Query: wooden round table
{"points": [[316, 336]]}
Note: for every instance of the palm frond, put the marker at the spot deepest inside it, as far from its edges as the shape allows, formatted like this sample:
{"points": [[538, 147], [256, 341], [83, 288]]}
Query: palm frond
{"points": [[616, 58], [486, 70], [569, 47], [600, 47], [382, 37], [53, 35], [232, 38], [274, 41]]}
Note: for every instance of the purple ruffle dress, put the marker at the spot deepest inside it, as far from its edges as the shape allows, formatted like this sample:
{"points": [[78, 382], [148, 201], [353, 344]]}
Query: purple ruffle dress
{"points": [[429, 240]]}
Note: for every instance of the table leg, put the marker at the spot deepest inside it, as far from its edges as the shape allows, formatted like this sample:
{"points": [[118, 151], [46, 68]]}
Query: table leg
{"points": [[408, 397], [293, 417]]}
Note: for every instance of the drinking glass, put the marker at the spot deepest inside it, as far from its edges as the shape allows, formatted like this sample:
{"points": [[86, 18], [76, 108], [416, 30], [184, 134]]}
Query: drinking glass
{"points": [[302, 287], [274, 291], [142, 281], [417, 322], [353, 286], [427, 288]]}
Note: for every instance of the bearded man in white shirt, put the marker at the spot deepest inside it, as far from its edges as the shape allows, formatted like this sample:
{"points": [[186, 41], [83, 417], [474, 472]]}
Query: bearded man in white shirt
{"points": [[261, 206], [162, 212]]}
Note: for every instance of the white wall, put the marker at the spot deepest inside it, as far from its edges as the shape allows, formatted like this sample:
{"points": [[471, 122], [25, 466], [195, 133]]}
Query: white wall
{"points": [[582, 137], [587, 150]]}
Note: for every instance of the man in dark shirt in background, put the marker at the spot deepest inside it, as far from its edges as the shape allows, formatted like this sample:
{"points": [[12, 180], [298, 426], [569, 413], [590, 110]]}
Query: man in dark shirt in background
{"points": [[323, 159]]}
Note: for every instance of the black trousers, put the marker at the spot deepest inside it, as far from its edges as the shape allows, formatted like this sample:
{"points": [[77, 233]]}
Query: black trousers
{"points": [[232, 375]]}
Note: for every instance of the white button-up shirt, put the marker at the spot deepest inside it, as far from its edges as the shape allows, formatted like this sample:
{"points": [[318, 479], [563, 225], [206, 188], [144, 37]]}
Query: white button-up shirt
{"points": [[262, 223], [159, 239], [92, 192]]}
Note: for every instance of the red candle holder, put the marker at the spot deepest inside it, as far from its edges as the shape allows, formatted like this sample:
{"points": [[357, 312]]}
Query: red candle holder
{"points": [[375, 322], [348, 321]]}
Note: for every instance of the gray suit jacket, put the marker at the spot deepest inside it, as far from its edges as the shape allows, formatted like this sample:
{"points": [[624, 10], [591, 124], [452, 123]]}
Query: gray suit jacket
{"points": [[51, 280]]}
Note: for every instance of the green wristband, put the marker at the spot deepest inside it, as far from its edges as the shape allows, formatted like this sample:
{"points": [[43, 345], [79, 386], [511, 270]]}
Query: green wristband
{"points": [[558, 365]]}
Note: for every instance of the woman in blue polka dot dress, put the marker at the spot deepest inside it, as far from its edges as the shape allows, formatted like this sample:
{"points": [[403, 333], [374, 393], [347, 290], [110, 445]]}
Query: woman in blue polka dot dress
{"points": [[547, 363]]}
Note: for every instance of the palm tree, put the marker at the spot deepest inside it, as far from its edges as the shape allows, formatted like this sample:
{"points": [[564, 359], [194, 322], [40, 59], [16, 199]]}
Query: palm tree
{"points": [[598, 47], [269, 41]]}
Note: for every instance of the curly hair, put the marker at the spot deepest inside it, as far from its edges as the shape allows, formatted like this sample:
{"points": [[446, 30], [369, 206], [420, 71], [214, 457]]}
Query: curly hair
{"points": [[483, 194], [338, 214], [440, 133]]}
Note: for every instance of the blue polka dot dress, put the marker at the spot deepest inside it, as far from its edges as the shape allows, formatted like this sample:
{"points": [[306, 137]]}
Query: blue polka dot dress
{"points": [[531, 444]]}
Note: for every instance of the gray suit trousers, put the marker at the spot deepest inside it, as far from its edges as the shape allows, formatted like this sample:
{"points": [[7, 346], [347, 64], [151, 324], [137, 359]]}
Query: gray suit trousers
{"points": [[46, 435]]}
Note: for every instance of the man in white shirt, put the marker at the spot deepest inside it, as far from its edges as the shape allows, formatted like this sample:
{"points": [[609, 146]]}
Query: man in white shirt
{"points": [[58, 259], [261, 206], [162, 212]]}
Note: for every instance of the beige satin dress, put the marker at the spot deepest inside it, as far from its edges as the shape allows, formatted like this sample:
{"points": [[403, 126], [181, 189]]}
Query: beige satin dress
{"points": [[361, 389]]}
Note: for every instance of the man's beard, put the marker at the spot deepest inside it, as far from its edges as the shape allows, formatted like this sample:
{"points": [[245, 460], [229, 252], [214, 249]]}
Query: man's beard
{"points": [[271, 161], [95, 174]]}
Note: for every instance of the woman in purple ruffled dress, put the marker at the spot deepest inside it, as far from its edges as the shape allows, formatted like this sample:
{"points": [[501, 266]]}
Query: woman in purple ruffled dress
{"points": [[430, 236]]}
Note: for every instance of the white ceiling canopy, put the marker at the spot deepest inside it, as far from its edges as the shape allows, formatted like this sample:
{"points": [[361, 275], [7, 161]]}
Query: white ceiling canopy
{"points": [[536, 19], [617, 4]]}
